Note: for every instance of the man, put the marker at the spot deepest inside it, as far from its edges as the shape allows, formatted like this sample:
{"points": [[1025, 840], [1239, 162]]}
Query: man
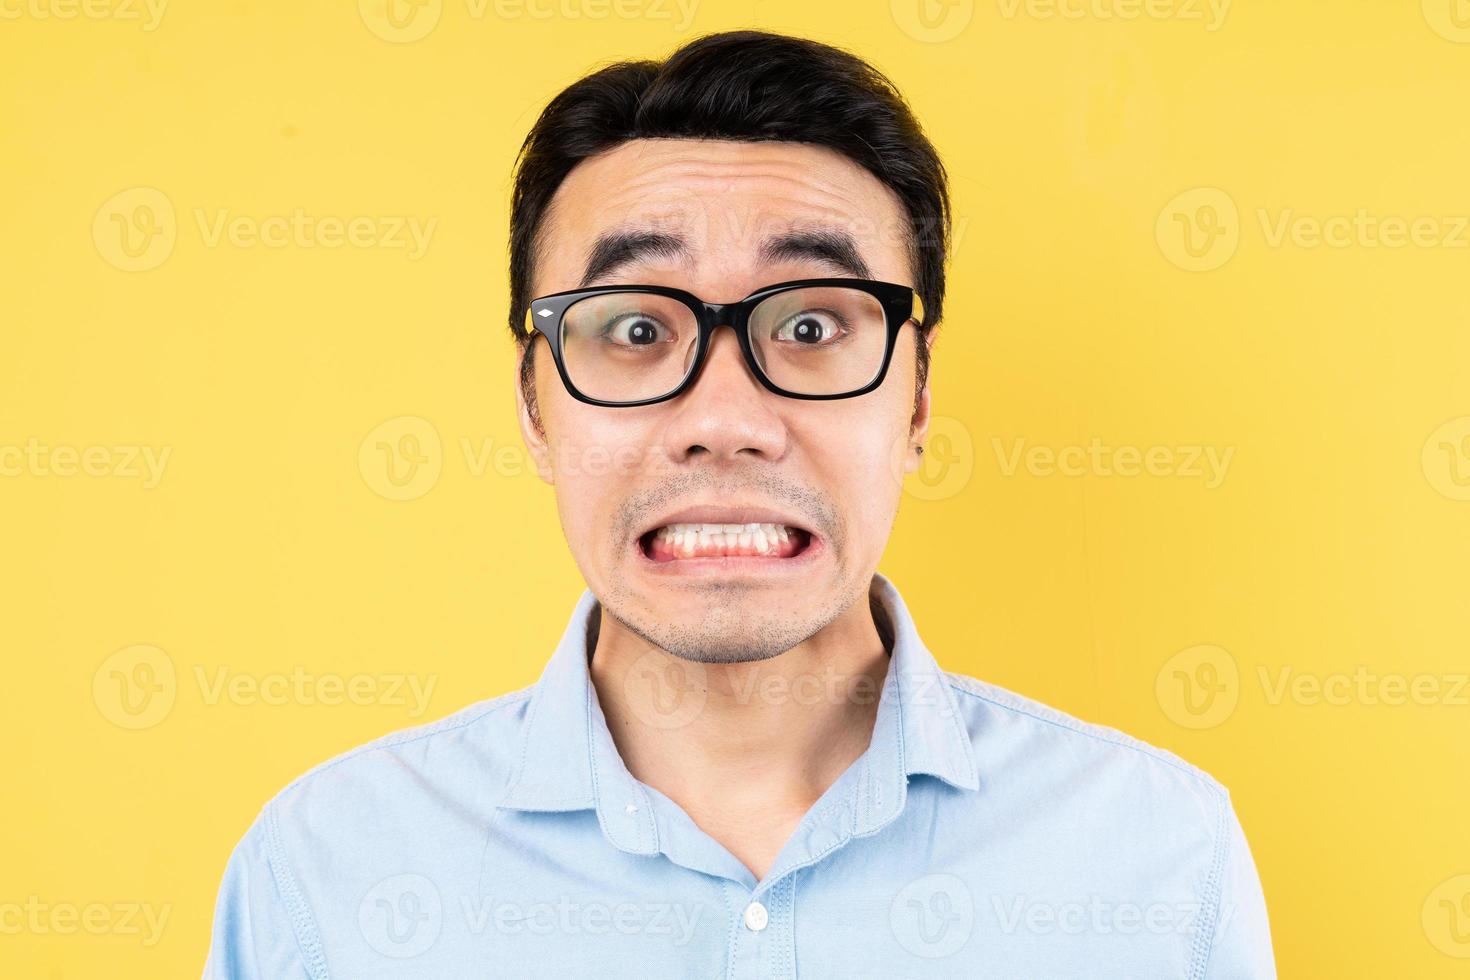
{"points": [[740, 761]]}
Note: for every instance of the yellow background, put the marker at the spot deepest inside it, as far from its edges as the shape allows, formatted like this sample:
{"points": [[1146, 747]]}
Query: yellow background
{"points": [[1338, 377]]}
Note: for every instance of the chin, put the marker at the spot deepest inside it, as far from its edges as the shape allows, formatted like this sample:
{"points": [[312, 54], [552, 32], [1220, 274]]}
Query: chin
{"points": [[726, 625]]}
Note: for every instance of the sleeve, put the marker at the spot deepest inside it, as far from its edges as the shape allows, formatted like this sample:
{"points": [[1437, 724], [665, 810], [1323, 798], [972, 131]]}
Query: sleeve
{"points": [[253, 937], [1241, 945]]}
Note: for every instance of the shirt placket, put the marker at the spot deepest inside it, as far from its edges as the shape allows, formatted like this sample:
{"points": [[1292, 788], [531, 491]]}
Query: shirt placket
{"points": [[763, 936]]}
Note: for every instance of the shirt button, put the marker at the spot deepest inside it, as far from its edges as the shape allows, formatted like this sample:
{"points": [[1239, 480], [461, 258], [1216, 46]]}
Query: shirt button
{"points": [[756, 917]]}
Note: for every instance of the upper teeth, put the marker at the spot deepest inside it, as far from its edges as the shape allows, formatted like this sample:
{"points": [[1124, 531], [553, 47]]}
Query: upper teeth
{"points": [[706, 534]]}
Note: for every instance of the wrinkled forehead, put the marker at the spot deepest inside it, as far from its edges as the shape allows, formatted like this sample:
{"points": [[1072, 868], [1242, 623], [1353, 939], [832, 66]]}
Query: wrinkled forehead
{"points": [[720, 214]]}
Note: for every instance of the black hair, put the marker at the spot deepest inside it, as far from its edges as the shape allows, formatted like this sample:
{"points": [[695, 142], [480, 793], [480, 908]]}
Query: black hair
{"points": [[747, 86]]}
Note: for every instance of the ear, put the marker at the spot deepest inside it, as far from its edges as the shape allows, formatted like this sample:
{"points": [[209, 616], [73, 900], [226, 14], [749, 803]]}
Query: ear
{"points": [[533, 433], [919, 425]]}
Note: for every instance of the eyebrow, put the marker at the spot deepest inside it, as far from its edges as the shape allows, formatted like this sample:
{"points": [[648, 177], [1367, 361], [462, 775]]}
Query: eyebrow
{"points": [[615, 250], [831, 247]]}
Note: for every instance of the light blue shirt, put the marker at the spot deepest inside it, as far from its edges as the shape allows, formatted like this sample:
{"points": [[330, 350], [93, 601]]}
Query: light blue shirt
{"points": [[980, 835]]}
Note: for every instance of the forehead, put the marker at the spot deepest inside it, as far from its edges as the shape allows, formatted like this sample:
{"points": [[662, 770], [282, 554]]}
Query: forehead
{"points": [[726, 202]]}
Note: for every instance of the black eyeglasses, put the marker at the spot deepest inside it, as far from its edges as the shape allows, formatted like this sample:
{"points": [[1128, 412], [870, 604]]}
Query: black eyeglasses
{"points": [[810, 338]]}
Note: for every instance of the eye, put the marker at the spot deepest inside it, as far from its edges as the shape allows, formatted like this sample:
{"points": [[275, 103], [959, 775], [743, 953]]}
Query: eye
{"points": [[637, 330], [810, 328]]}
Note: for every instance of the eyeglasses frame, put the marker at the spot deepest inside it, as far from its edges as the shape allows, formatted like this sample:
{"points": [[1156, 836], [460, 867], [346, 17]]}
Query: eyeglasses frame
{"points": [[900, 304]]}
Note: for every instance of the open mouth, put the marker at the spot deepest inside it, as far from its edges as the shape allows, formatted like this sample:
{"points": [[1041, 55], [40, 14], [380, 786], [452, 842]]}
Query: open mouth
{"points": [[682, 542]]}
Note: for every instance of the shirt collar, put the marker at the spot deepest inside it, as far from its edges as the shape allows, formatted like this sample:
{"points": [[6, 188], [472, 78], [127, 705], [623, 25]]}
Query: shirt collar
{"points": [[567, 759]]}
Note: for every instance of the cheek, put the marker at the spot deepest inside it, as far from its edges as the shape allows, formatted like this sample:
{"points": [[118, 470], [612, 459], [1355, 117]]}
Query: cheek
{"points": [[597, 460], [856, 456]]}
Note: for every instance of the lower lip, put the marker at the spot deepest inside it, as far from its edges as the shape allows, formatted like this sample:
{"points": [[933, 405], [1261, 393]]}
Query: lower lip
{"points": [[732, 565]]}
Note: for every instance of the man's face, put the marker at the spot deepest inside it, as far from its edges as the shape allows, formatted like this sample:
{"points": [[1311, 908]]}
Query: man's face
{"points": [[814, 485]]}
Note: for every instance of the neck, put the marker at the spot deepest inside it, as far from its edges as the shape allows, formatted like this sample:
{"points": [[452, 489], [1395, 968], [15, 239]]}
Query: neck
{"points": [[766, 737]]}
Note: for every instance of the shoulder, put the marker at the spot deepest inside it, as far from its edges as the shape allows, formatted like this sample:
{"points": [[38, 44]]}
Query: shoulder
{"points": [[461, 760], [1099, 812], [348, 828], [1011, 733]]}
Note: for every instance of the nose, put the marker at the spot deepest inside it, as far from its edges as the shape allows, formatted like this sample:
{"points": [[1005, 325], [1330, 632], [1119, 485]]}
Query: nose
{"points": [[725, 415]]}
